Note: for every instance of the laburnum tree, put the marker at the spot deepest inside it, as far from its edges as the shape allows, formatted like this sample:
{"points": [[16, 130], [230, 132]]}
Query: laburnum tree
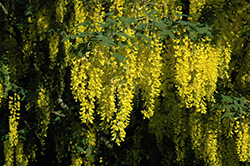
{"points": [[125, 82]]}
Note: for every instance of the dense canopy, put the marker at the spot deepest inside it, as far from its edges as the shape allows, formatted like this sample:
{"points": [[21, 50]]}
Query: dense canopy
{"points": [[125, 82]]}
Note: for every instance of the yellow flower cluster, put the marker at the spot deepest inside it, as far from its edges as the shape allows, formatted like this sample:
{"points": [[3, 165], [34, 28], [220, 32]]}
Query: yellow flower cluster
{"points": [[76, 160], [42, 21], [85, 92], [125, 96], [96, 14], [8, 153], [60, 11], [1, 93], [243, 141], [43, 112], [21, 159], [195, 8], [118, 5], [211, 148], [196, 72], [196, 130], [80, 15], [154, 65], [53, 46], [9, 145], [14, 107]]}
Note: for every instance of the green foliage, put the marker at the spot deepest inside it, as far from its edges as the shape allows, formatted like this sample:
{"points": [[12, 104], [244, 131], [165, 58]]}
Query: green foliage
{"points": [[232, 106], [112, 30]]}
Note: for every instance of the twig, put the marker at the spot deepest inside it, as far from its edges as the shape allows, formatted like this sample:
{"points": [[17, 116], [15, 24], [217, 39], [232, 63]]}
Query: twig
{"points": [[235, 91], [58, 114], [238, 94], [13, 24], [61, 103], [4, 10], [26, 123]]}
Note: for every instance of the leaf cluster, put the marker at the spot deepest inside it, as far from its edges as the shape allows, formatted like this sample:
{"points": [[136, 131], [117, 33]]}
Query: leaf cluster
{"points": [[113, 29], [233, 106]]}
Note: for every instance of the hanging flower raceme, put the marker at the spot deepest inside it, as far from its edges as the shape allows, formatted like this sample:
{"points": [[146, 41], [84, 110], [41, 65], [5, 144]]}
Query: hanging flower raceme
{"points": [[43, 112], [1, 93], [196, 71]]}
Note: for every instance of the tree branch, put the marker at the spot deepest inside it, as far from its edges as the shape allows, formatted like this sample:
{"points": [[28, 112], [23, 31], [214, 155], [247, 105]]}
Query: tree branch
{"points": [[61, 103], [4, 10], [13, 24], [58, 114]]}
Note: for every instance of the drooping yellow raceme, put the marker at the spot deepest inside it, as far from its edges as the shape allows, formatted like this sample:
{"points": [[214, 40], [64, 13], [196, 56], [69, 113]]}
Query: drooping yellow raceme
{"points": [[53, 46], [1, 93], [243, 141], [76, 160], [10, 145], [21, 158], [196, 72], [43, 112], [8, 153], [211, 148], [14, 107]]}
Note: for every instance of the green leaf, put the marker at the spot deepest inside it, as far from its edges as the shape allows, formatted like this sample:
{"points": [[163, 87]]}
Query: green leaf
{"points": [[22, 131], [131, 20], [144, 10], [111, 20], [214, 107], [234, 107], [73, 36], [28, 13], [236, 103], [107, 41], [144, 36], [124, 34], [109, 14], [120, 57], [181, 22], [79, 149], [84, 141], [226, 98], [51, 30], [57, 119], [226, 114], [59, 111], [167, 32], [230, 117], [84, 34], [23, 97], [104, 24], [66, 38], [88, 151], [63, 33], [85, 23], [5, 137], [80, 53], [152, 12], [227, 107], [121, 45], [161, 24]]}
